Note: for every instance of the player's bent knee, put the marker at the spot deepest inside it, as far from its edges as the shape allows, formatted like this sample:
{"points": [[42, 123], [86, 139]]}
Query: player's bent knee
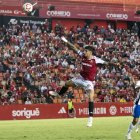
{"points": [[69, 83]]}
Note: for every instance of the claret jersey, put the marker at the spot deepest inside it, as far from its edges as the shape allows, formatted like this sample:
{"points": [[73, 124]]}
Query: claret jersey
{"points": [[89, 68]]}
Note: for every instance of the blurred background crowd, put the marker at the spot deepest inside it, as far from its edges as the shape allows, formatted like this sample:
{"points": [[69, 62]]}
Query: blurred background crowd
{"points": [[34, 62]]}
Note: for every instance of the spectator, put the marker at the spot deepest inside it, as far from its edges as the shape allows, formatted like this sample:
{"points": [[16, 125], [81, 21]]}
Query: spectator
{"points": [[71, 109], [28, 101], [12, 100]]}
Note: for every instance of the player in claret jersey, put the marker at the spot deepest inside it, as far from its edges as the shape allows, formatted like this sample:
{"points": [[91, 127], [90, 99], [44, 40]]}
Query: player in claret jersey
{"points": [[86, 78]]}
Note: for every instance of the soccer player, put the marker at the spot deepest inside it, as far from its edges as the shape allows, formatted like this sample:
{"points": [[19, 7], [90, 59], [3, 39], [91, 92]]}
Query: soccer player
{"points": [[86, 78], [136, 110]]}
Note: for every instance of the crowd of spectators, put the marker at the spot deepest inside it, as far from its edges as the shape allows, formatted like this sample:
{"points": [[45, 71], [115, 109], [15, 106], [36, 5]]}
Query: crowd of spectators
{"points": [[34, 62]]}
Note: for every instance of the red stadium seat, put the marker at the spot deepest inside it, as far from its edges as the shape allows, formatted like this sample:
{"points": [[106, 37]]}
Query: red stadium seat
{"points": [[55, 100]]}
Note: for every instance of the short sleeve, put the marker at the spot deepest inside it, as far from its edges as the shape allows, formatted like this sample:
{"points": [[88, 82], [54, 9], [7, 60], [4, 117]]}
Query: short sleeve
{"points": [[99, 60]]}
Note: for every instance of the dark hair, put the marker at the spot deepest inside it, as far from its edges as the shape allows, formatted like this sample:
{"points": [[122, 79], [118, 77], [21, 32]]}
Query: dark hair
{"points": [[90, 48]]}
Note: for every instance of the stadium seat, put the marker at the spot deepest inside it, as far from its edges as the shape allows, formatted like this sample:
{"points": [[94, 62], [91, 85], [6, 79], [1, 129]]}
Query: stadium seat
{"points": [[75, 91], [81, 95], [1, 76], [78, 100], [80, 91], [59, 100], [76, 95], [74, 100], [19, 101], [55, 100]]}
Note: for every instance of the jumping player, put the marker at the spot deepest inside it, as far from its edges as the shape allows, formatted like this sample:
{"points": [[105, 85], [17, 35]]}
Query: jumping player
{"points": [[86, 78]]}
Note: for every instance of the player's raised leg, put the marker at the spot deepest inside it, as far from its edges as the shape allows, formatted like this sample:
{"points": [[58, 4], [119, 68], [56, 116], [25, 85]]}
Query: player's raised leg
{"points": [[64, 89]]}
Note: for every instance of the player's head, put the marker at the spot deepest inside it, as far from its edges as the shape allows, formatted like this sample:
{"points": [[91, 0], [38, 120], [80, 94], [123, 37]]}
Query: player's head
{"points": [[90, 49]]}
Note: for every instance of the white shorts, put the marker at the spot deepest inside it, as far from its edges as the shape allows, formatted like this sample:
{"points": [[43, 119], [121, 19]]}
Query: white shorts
{"points": [[85, 84]]}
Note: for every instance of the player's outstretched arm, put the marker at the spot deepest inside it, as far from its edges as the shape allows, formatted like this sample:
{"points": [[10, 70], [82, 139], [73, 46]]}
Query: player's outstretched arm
{"points": [[100, 61], [112, 64], [70, 45]]}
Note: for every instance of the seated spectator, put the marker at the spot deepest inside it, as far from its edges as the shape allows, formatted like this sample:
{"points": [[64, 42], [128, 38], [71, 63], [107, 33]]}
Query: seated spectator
{"points": [[122, 100], [43, 99], [12, 100], [28, 101]]}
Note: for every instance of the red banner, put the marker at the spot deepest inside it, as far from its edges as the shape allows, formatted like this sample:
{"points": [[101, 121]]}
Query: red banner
{"points": [[11, 11], [89, 12], [106, 1], [49, 111]]}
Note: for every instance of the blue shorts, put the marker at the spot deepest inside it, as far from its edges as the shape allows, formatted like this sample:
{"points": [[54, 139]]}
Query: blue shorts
{"points": [[136, 111]]}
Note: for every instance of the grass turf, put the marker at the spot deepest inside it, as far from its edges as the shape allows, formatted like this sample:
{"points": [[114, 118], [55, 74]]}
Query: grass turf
{"points": [[110, 128]]}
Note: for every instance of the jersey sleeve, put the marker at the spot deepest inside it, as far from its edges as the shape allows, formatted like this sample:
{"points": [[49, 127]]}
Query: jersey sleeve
{"points": [[99, 60], [137, 84], [80, 53]]}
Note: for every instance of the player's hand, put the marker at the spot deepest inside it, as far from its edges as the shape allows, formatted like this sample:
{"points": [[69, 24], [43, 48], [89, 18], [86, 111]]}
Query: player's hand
{"points": [[115, 64]]}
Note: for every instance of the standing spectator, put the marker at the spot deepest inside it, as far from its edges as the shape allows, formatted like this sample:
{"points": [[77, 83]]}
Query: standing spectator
{"points": [[71, 109], [28, 101]]}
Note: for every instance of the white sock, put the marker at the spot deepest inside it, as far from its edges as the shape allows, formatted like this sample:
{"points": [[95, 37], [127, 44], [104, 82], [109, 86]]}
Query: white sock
{"points": [[130, 128], [137, 125], [90, 119]]}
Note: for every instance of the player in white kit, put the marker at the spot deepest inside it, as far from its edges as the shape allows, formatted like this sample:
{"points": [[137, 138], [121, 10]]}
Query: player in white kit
{"points": [[136, 112]]}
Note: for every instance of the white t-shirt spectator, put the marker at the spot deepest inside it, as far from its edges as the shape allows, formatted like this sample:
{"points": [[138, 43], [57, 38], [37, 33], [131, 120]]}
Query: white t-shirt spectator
{"points": [[28, 102]]}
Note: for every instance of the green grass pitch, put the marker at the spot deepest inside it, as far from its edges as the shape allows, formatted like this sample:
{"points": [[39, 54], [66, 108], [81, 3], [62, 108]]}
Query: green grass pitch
{"points": [[109, 128]]}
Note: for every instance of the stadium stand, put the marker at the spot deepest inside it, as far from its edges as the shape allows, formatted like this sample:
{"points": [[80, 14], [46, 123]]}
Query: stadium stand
{"points": [[30, 66], [34, 62]]}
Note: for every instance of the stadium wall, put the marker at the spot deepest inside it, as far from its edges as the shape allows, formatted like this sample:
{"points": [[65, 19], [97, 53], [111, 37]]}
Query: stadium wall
{"points": [[52, 111], [68, 17], [74, 22], [68, 23]]}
